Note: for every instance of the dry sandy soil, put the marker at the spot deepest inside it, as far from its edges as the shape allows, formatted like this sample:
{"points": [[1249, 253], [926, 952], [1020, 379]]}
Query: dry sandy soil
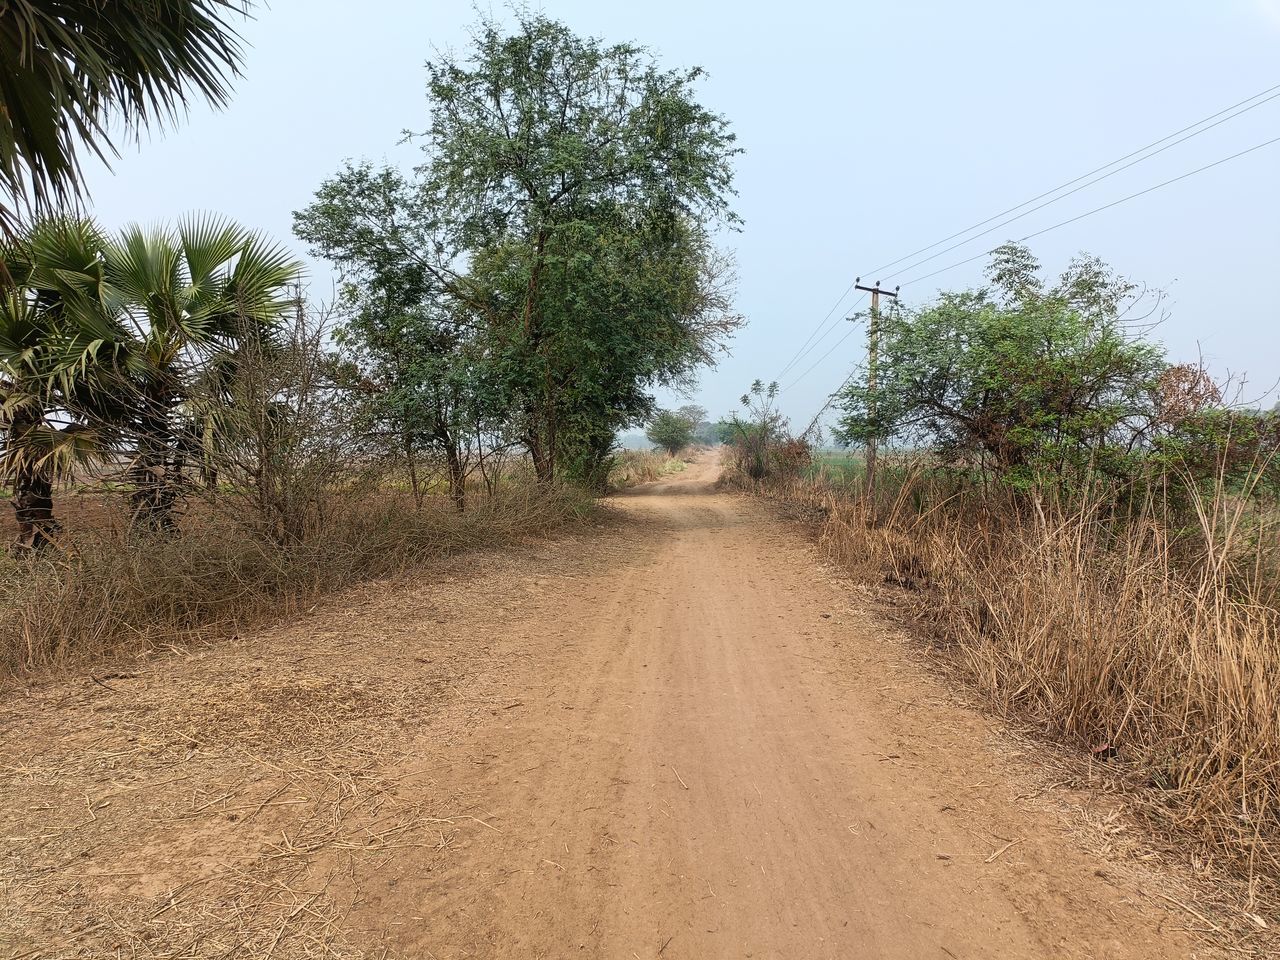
{"points": [[669, 737]]}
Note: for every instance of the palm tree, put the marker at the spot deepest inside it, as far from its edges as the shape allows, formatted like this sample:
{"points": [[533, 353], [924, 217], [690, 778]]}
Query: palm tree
{"points": [[190, 300], [51, 325], [126, 346], [23, 404], [71, 68]]}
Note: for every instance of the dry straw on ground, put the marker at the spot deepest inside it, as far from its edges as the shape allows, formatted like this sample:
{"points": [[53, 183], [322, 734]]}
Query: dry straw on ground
{"points": [[235, 797], [107, 591], [1156, 661]]}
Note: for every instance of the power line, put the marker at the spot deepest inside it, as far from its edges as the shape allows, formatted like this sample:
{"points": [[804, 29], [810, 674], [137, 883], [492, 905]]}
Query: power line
{"points": [[826, 333], [1031, 236], [821, 324], [1063, 196], [1275, 91], [830, 399], [810, 344], [831, 396], [834, 348], [1105, 206]]}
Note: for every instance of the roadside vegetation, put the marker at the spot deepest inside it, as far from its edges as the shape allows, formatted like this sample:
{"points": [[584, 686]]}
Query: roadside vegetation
{"points": [[1089, 532], [673, 430], [505, 308], [634, 467]]}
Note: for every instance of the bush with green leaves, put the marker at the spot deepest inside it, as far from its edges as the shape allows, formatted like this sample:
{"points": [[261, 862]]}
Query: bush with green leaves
{"points": [[671, 430], [763, 446], [1031, 381]]}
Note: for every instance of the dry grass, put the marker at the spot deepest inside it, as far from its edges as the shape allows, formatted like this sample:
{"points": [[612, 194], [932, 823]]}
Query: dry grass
{"points": [[107, 592], [245, 797], [220, 812], [633, 467], [274, 903], [1152, 646]]}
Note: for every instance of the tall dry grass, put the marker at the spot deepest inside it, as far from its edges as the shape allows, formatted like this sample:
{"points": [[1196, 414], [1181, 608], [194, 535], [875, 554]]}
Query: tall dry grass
{"points": [[1149, 639], [633, 467], [107, 591]]}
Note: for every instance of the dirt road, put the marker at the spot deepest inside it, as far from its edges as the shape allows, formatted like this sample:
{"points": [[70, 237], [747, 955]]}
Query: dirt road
{"points": [[672, 737]]}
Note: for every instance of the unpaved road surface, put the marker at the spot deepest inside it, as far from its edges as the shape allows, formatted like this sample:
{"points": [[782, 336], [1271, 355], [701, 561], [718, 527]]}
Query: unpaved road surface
{"points": [[672, 737]]}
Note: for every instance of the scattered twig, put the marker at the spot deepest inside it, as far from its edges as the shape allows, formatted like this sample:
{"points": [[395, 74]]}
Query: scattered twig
{"points": [[995, 856], [1199, 916]]}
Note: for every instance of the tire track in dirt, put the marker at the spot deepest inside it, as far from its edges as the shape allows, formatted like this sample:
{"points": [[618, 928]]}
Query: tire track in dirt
{"points": [[713, 764]]}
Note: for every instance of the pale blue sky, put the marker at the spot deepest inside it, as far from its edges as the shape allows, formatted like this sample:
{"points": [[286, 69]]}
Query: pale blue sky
{"points": [[870, 130]]}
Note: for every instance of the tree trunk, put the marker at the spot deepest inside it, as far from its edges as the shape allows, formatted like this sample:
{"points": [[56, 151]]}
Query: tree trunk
{"points": [[543, 465], [444, 435], [531, 291], [551, 442], [457, 476], [411, 458], [541, 439], [32, 490], [484, 468], [33, 509], [154, 497], [155, 479]]}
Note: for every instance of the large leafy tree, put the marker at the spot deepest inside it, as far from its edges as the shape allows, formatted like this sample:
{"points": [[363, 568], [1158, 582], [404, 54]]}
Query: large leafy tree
{"points": [[579, 178], [1028, 378], [671, 430], [622, 309], [411, 326], [73, 68]]}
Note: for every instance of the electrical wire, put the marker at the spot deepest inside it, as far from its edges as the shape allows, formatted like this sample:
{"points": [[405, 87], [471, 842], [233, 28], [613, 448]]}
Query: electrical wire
{"points": [[817, 364], [1105, 206], [821, 324], [826, 333], [1064, 196], [1273, 91], [1141, 154], [1041, 232]]}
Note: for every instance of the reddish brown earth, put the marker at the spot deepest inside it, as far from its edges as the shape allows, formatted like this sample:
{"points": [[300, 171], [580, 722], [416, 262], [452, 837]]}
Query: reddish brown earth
{"points": [[670, 737]]}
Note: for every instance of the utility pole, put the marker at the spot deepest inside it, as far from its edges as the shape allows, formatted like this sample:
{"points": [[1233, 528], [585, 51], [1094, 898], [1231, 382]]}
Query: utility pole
{"points": [[873, 359]]}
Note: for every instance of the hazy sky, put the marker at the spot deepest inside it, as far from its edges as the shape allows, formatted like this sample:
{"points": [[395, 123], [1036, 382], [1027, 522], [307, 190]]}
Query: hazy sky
{"points": [[870, 130]]}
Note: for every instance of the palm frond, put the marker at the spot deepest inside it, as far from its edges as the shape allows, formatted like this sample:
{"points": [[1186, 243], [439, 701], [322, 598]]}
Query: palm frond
{"points": [[58, 451], [260, 286], [137, 334], [71, 68], [144, 269], [209, 245]]}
